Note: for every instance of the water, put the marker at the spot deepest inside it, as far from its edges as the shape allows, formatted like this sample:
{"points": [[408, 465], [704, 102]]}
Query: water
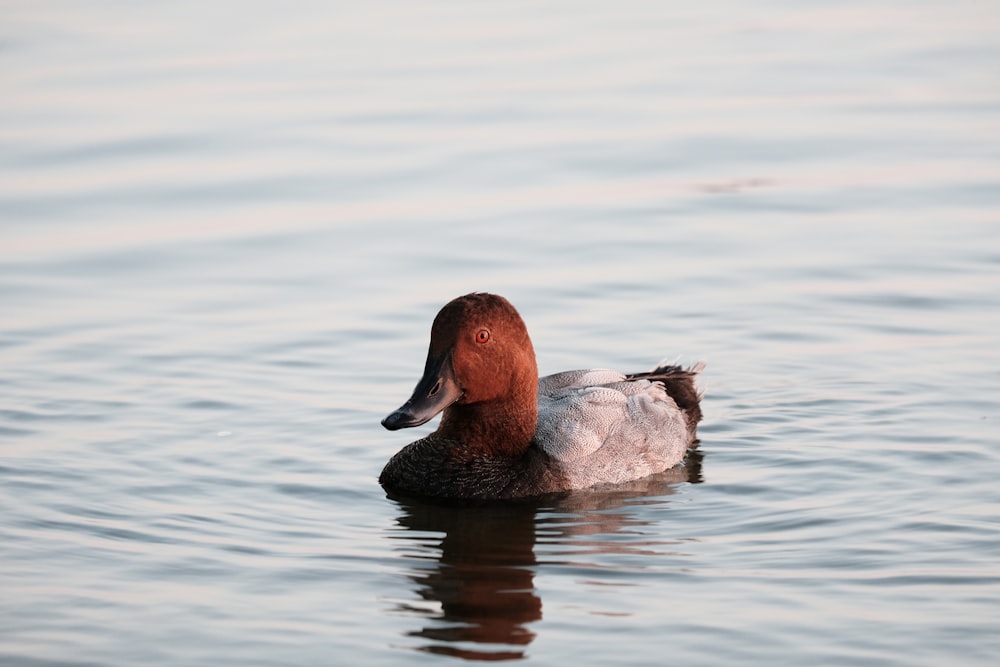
{"points": [[227, 227]]}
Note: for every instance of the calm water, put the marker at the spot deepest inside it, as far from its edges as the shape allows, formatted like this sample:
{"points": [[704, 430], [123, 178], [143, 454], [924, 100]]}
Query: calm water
{"points": [[226, 228]]}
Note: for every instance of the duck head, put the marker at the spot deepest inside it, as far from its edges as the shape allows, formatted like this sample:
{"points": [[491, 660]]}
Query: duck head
{"points": [[480, 369]]}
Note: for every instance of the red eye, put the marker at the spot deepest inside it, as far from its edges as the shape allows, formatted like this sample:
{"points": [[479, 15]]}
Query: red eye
{"points": [[482, 336]]}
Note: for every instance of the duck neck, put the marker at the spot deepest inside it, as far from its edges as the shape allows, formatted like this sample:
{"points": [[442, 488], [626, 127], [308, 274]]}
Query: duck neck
{"points": [[492, 429]]}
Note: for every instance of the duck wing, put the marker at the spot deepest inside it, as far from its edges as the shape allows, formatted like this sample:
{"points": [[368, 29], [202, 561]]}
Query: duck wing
{"points": [[581, 412]]}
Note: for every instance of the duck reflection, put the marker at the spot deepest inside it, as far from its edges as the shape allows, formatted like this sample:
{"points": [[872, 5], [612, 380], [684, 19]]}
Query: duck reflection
{"points": [[481, 575], [475, 563]]}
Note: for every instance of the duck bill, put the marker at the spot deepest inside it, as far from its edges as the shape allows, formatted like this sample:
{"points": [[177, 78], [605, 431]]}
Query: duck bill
{"points": [[437, 389]]}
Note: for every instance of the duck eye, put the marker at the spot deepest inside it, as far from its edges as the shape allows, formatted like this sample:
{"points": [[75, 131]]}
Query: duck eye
{"points": [[482, 336]]}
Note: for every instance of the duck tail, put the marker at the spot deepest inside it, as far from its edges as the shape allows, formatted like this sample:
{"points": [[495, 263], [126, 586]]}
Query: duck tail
{"points": [[680, 385]]}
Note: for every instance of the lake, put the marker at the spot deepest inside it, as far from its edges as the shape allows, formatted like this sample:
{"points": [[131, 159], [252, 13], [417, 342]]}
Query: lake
{"points": [[225, 229]]}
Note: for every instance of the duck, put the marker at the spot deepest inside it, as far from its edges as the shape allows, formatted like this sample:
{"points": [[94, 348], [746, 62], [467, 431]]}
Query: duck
{"points": [[506, 433]]}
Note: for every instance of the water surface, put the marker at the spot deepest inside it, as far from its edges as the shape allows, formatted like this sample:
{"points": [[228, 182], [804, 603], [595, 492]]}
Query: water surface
{"points": [[227, 228]]}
